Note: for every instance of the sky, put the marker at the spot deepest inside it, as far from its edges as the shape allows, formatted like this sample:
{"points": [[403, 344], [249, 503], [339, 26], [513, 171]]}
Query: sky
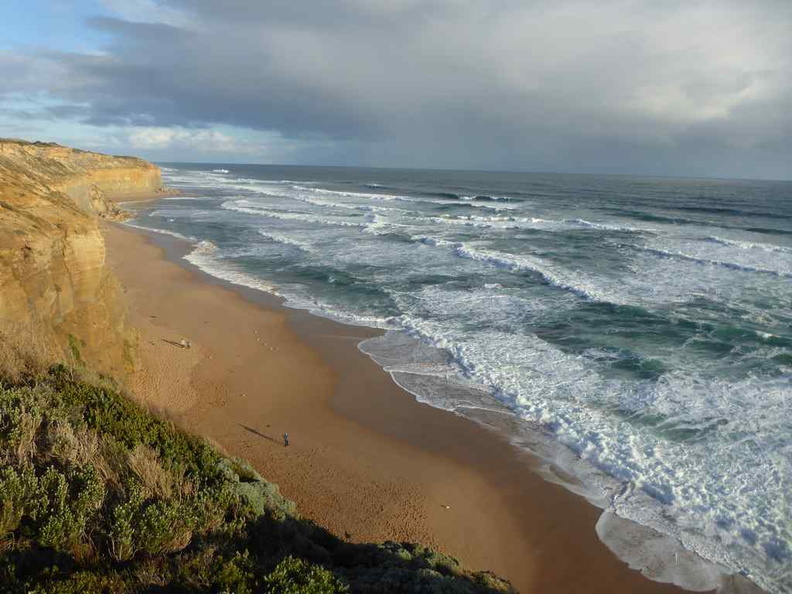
{"points": [[650, 87]]}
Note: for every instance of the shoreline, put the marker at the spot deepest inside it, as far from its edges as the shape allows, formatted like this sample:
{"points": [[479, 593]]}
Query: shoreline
{"points": [[133, 197], [367, 460]]}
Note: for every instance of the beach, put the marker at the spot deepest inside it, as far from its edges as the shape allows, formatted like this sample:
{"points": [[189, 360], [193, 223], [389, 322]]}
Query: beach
{"points": [[365, 459], [478, 287]]}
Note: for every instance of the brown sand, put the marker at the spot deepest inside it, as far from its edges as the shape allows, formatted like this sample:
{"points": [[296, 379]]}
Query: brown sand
{"points": [[366, 460]]}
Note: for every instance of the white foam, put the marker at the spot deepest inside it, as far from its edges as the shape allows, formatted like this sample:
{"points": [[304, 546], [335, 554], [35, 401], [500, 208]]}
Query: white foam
{"points": [[246, 207], [348, 194], [280, 238], [400, 198], [296, 299], [712, 262], [473, 197], [205, 257], [160, 231], [659, 557], [327, 203], [573, 282], [251, 181], [611, 227], [750, 245], [378, 226], [496, 207], [500, 222], [344, 205]]}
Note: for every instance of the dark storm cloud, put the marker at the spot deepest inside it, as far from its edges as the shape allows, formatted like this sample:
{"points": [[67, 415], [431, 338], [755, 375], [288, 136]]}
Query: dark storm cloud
{"points": [[162, 75], [618, 85]]}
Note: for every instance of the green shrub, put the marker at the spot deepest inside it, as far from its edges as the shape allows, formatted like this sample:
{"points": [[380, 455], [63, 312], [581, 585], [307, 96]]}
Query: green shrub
{"points": [[121, 536], [16, 488], [63, 505], [20, 419], [243, 470], [235, 576], [84, 582], [164, 527], [111, 414], [74, 348], [295, 576]]}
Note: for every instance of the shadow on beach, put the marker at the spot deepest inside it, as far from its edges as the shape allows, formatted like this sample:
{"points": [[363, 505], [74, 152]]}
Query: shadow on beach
{"points": [[259, 433]]}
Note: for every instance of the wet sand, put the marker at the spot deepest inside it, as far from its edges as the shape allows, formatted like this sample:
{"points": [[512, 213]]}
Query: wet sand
{"points": [[366, 460]]}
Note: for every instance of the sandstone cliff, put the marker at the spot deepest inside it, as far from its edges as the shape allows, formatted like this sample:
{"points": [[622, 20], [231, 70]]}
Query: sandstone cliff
{"points": [[54, 285]]}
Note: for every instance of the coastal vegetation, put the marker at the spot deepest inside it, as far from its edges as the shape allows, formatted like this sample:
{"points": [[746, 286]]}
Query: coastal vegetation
{"points": [[99, 495]]}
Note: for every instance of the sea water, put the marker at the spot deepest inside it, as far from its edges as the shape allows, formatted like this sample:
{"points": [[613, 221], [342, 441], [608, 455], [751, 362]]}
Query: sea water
{"points": [[636, 333]]}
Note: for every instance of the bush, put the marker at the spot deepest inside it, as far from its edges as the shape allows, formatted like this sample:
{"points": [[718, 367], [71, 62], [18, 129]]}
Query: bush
{"points": [[164, 527], [112, 415], [84, 582], [63, 505], [295, 576], [235, 576], [16, 489], [74, 348], [121, 533], [20, 420]]}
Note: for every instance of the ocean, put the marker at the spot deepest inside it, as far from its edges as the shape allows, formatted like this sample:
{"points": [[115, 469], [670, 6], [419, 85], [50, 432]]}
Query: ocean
{"points": [[634, 333]]}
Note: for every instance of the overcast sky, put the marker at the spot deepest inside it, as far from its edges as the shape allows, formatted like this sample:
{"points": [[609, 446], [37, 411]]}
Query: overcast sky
{"points": [[666, 87]]}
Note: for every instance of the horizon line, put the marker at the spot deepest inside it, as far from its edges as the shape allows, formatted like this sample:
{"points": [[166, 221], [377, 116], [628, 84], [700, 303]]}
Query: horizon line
{"points": [[449, 169]]}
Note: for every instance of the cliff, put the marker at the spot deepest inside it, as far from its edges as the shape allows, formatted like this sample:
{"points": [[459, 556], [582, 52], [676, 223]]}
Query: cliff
{"points": [[54, 285]]}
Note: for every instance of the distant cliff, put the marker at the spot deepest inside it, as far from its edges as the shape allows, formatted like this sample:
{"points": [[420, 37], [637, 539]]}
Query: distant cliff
{"points": [[89, 179], [54, 285]]}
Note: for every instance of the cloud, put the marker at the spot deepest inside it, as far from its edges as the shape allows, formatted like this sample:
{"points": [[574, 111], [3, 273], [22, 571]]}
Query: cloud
{"points": [[147, 11], [617, 85], [206, 141]]}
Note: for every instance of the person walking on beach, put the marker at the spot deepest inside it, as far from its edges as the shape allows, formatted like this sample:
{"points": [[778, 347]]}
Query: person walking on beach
{"points": [[285, 439]]}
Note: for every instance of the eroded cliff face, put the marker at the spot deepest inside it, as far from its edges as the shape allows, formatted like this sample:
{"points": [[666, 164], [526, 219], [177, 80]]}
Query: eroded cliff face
{"points": [[54, 285]]}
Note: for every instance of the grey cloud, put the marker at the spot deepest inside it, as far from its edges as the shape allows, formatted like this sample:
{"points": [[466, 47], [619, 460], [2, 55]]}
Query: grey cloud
{"points": [[616, 85], [161, 75]]}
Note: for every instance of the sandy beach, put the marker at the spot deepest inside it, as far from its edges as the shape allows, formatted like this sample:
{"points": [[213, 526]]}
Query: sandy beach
{"points": [[365, 460]]}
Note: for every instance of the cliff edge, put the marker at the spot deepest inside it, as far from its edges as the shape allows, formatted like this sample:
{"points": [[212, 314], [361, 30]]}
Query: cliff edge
{"points": [[54, 285]]}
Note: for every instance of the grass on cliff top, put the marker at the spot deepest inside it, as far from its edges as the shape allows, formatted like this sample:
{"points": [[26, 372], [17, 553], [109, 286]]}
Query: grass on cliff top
{"points": [[27, 142], [98, 495]]}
